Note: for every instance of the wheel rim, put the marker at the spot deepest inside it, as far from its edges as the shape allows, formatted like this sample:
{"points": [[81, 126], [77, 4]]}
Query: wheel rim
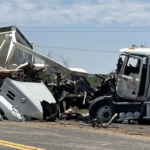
{"points": [[104, 113]]}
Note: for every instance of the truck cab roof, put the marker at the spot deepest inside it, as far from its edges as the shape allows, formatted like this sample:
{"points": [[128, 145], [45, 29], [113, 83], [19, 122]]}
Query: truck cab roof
{"points": [[136, 50]]}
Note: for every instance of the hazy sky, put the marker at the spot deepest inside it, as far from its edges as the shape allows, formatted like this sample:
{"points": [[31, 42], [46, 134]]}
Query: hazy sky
{"points": [[88, 32]]}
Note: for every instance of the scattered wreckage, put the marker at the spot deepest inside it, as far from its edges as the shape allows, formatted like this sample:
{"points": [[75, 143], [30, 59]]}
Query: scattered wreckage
{"points": [[77, 91], [80, 93], [23, 95]]}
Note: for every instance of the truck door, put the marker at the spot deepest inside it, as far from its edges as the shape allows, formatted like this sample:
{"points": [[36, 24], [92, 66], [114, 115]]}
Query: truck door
{"points": [[128, 81]]}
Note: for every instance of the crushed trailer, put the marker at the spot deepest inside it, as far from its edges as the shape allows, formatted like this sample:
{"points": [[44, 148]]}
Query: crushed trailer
{"points": [[23, 95]]}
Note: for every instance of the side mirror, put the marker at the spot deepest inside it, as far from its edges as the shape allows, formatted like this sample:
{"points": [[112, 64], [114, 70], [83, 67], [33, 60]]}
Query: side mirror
{"points": [[23, 100]]}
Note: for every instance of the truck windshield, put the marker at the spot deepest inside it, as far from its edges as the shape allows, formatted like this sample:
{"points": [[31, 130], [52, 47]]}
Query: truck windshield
{"points": [[133, 66]]}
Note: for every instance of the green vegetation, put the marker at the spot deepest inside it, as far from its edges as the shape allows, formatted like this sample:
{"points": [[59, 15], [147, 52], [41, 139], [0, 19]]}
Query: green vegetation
{"points": [[76, 110], [49, 79], [94, 81]]}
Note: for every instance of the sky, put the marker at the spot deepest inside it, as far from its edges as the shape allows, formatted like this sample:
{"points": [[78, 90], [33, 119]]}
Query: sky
{"points": [[89, 33]]}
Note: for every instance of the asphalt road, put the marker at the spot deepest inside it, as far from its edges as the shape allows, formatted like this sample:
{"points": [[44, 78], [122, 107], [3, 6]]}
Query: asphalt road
{"points": [[52, 137]]}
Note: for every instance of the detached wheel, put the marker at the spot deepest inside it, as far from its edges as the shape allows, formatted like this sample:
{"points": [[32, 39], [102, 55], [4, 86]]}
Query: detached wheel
{"points": [[101, 109]]}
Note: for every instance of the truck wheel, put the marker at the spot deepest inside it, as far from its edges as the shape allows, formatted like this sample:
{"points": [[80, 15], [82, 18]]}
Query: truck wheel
{"points": [[104, 113], [100, 108]]}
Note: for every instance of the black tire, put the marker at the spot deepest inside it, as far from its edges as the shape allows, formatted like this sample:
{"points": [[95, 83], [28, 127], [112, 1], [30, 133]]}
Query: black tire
{"points": [[96, 105]]}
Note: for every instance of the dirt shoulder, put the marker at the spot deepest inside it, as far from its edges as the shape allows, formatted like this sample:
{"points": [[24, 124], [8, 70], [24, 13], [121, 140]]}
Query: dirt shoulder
{"points": [[132, 130]]}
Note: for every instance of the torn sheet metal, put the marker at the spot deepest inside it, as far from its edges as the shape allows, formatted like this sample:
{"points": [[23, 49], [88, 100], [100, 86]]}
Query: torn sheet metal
{"points": [[27, 95], [10, 112]]}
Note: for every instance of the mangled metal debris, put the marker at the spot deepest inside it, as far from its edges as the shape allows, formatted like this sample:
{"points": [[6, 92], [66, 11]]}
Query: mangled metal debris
{"points": [[23, 95], [76, 90], [27, 99]]}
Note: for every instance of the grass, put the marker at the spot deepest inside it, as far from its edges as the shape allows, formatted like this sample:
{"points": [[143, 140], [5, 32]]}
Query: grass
{"points": [[76, 110]]}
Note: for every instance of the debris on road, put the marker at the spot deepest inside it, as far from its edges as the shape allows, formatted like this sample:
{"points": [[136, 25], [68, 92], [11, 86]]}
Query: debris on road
{"points": [[97, 122]]}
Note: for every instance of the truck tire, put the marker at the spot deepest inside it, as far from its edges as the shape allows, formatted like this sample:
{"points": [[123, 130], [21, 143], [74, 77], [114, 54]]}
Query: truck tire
{"points": [[101, 109]]}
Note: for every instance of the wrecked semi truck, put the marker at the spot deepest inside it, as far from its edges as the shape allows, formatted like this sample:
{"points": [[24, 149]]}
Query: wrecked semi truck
{"points": [[77, 91], [23, 95], [131, 98]]}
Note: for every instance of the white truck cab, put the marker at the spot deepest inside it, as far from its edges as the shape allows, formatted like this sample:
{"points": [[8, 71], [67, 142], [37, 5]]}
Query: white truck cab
{"points": [[131, 100], [132, 77]]}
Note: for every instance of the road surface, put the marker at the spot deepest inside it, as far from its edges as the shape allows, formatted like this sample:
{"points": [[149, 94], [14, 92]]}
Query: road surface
{"points": [[40, 136]]}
